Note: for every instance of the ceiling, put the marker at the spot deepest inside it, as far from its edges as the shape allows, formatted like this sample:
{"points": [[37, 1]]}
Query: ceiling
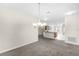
{"points": [[51, 13]]}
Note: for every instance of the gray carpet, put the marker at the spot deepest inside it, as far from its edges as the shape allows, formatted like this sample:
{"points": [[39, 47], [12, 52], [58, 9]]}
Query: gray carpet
{"points": [[45, 47]]}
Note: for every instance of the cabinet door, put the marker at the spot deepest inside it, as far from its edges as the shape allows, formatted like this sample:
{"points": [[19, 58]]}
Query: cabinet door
{"points": [[48, 35]]}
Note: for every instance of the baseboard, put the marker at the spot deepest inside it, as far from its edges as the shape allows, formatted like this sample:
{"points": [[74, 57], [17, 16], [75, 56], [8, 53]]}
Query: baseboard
{"points": [[17, 47], [71, 43]]}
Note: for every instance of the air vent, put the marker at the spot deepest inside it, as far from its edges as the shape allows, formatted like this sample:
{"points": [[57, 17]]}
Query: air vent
{"points": [[72, 39]]}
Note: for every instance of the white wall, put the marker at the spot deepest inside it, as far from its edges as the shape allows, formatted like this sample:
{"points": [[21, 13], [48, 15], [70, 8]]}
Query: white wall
{"points": [[16, 27], [72, 29], [72, 26]]}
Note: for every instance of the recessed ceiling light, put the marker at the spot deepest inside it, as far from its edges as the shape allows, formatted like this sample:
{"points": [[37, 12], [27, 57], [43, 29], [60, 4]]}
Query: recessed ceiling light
{"points": [[48, 12]]}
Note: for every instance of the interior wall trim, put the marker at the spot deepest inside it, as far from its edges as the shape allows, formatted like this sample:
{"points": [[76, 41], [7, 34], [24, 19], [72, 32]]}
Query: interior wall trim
{"points": [[18, 46]]}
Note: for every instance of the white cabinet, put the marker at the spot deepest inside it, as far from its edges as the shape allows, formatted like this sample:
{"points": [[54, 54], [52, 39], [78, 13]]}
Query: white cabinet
{"points": [[49, 35]]}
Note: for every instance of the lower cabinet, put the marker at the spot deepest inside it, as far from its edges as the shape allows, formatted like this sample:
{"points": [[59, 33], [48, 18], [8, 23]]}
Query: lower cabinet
{"points": [[51, 35]]}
